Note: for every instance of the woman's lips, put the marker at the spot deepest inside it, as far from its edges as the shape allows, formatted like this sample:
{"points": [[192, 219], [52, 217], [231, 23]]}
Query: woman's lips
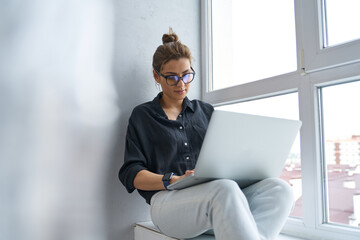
{"points": [[180, 92]]}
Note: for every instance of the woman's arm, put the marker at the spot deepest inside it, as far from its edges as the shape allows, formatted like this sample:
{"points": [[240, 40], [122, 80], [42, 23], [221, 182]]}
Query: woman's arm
{"points": [[148, 181]]}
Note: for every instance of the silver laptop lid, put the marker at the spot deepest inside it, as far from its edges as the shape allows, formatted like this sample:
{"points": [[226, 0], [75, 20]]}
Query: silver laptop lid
{"points": [[245, 147]]}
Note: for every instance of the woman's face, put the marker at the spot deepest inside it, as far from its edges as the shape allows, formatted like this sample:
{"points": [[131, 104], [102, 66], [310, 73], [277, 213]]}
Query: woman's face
{"points": [[174, 67]]}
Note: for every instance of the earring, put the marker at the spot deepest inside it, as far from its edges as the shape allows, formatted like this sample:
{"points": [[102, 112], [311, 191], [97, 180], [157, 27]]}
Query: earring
{"points": [[158, 86]]}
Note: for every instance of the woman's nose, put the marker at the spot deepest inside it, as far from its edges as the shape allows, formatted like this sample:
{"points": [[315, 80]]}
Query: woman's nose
{"points": [[181, 82]]}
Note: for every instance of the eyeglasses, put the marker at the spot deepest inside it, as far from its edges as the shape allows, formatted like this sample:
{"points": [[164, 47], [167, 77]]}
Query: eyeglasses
{"points": [[173, 80]]}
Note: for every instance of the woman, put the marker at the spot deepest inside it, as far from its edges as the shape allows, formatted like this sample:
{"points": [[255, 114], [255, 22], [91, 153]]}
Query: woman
{"points": [[163, 141]]}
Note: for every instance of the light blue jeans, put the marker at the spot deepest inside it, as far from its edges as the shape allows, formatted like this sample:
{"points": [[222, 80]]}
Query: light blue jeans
{"points": [[257, 212]]}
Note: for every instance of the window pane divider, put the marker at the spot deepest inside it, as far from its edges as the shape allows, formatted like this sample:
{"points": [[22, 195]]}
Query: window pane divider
{"points": [[286, 83]]}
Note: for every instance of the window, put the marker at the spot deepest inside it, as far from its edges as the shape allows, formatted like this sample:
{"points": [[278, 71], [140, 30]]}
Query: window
{"points": [[341, 131], [341, 19], [329, 33], [251, 37], [326, 69]]}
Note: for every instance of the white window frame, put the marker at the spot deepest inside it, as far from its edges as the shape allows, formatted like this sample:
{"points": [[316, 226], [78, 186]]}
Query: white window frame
{"points": [[316, 68], [316, 57]]}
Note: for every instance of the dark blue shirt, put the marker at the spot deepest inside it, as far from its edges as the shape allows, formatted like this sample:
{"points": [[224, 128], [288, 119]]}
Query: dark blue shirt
{"points": [[160, 145]]}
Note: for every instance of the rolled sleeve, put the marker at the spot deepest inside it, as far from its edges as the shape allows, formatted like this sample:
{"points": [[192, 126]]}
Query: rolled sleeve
{"points": [[134, 160]]}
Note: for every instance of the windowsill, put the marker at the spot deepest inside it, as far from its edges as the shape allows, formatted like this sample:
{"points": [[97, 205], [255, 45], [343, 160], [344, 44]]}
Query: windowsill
{"points": [[147, 230]]}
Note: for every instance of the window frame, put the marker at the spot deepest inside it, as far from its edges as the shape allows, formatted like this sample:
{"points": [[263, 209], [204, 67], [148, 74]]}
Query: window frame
{"points": [[313, 72], [317, 57]]}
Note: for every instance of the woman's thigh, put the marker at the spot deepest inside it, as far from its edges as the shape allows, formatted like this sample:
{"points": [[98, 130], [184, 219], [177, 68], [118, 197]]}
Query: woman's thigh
{"points": [[188, 212], [182, 213]]}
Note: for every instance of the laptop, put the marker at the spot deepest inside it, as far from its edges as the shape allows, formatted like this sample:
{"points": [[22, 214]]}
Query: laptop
{"points": [[242, 147]]}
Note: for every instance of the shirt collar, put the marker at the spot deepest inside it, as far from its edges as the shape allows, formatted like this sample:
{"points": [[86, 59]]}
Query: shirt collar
{"points": [[186, 104]]}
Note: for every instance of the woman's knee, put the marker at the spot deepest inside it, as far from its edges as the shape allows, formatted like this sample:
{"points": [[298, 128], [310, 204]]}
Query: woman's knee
{"points": [[225, 189], [282, 185], [281, 189], [225, 185]]}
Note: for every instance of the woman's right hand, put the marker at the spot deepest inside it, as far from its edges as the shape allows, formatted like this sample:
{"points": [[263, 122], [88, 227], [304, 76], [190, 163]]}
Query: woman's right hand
{"points": [[177, 178]]}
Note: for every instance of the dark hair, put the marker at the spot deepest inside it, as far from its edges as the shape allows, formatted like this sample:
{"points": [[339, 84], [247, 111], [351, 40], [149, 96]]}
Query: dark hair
{"points": [[171, 49]]}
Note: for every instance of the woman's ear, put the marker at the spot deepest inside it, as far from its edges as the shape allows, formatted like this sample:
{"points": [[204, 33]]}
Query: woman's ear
{"points": [[156, 76]]}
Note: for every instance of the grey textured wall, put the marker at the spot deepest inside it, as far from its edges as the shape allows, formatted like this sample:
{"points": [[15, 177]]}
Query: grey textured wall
{"points": [[70, 73], [139, 26]]}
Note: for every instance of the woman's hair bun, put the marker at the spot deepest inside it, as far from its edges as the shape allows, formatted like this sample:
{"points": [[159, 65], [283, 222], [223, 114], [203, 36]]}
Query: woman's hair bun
{"points": [[171, 49], [170, 37]]}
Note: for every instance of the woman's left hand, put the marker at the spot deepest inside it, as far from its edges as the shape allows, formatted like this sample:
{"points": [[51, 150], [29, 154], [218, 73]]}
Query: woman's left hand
{"points": [[177, 178]]}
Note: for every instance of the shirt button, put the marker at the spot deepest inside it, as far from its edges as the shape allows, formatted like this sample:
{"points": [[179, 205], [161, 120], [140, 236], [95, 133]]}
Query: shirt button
{"points": [[187, 158], [186, 144], [180, 115], [180, 127]]}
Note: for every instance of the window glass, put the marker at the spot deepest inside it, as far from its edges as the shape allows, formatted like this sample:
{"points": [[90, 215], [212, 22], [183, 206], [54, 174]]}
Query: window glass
{"points": [[252, 40], [283, 106], [341, 130], [341, 21]]}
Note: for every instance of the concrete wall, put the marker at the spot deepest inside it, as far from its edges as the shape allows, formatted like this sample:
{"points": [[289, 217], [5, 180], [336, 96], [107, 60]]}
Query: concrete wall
{"points": [[70, 73]]}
